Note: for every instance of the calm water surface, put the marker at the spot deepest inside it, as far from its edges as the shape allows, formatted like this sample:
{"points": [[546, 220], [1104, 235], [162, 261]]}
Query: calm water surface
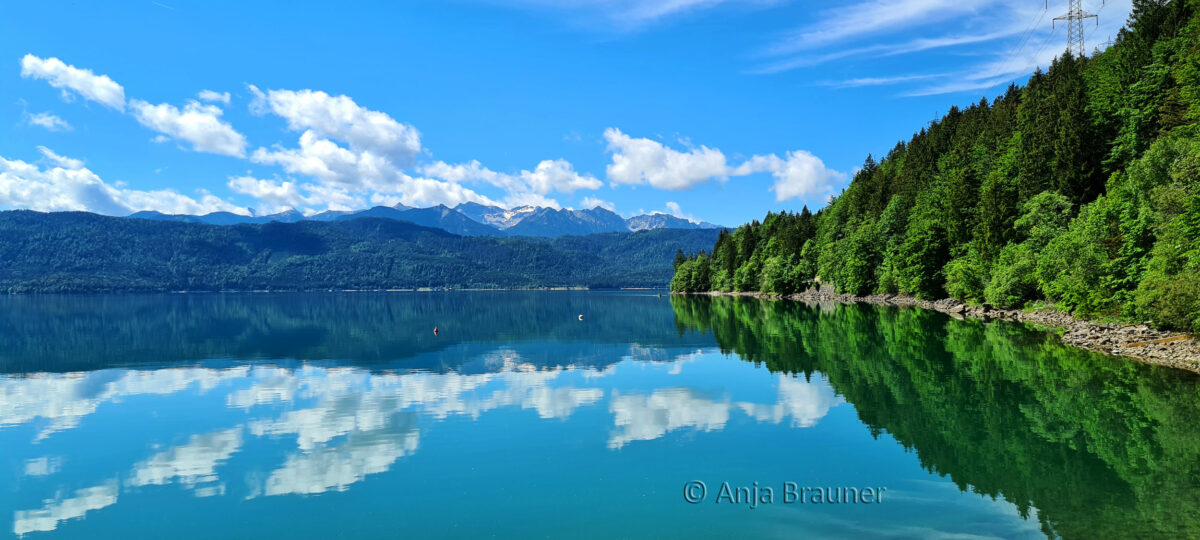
{"points": [[342, 415]]}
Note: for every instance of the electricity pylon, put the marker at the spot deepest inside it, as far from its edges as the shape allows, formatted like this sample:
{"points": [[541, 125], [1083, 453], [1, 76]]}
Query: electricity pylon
{"points": [[1107, 43], [1075, 16]]}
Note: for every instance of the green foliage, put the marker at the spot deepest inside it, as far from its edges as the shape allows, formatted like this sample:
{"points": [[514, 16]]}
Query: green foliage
{"points": [[1071, 267], [775, 273], [965, 278], [748, 276], [926, 249], [1100, 447], [890, 231], [1013, 281], [682, 280], [860, 258], [1171, 301], [783, 276], [1170, 294], [1074, 189], [776, 256], [1043, 217]]}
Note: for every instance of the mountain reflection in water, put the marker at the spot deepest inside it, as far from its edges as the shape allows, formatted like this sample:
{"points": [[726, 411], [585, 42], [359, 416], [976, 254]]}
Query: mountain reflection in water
{"points": [[349, 403]]}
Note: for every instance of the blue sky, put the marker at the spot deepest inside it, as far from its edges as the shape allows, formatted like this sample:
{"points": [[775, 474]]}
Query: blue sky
{"points": [[709, 109]]}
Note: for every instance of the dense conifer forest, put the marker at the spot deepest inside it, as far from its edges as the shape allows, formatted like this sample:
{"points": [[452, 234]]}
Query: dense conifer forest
{"points": [[1081, 189]]}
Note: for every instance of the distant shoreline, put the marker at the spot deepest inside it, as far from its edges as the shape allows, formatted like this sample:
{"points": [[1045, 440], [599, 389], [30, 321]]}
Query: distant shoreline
{"points": [[339, 291], [1138, 342], [86, 253]]}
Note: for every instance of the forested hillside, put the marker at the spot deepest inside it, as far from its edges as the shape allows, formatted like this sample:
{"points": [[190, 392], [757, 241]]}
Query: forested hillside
{"points": [[81, 252], [1081, 188]]}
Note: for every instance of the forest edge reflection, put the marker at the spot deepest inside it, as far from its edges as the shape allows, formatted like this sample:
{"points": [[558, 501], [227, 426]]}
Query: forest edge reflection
{"points": [[1100, 446], [1082, 443]]}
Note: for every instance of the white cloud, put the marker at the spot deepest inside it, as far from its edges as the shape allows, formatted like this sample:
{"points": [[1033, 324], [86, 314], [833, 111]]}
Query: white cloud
{"points": [[346, 171], [60, 161], [634, 14], [416, 191], [258, 102], [69, 186], [323, 159], [464, 172], [645, 161], [340, 118], [999, 71], [523, 188], [558, 175], [636, 161], [98, 88], [281, 194], [881, 81], [810, 59], [549, 175], [214, 96], [369, 167], [873, 16], [49, 121], [994, 24], [335, 165], [1039, 50], [1019, 38], [333, 197], [967, 84], [650, 10], [592, 202], [674, 210], [196, 123], [799, 175]]}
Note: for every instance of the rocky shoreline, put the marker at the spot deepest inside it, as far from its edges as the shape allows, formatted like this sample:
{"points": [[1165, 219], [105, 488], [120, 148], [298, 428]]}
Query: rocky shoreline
{"points": [[1139, 342]]}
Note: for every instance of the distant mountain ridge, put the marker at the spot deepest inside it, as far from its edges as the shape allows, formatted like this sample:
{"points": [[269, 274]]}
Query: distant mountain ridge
{"points": [[81, 252], [467, 219]]}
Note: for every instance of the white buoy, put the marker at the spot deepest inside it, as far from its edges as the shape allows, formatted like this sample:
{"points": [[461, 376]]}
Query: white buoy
{"points": [[581, 316]]}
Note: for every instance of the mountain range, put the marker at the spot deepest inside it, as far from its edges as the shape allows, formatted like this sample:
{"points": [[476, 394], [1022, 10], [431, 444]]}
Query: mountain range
{"points": [[467, 219], [82, 252]]}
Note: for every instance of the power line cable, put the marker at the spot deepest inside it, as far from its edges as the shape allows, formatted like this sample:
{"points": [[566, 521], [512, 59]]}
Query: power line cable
{"points": [[1024, 41]]}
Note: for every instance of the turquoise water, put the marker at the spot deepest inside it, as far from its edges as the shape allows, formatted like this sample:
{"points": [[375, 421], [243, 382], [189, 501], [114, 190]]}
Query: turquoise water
{"points": [[343, 415]]}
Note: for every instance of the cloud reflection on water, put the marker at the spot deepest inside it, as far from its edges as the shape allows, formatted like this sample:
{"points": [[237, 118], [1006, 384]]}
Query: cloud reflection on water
{"points": [[56, 511], [649, 417], [348, 423]]}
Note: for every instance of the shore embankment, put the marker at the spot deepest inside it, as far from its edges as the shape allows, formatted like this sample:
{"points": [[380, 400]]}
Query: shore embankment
{"points": [[1136, 341]]}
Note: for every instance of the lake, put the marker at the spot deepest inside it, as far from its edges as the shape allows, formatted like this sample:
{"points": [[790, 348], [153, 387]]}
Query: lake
{"points": [[343, 415]]}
